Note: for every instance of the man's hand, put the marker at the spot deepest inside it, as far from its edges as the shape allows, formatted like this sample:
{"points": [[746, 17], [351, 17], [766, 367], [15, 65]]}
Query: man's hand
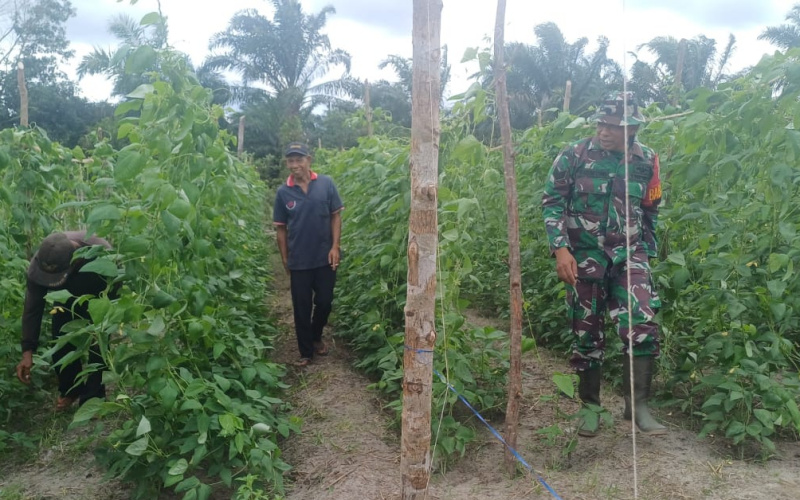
{"points": [[24, 367], [333, 258], [566, 266]]}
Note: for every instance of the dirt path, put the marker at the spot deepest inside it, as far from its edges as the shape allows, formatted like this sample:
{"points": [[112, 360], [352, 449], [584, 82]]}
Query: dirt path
{"points": [[348, 451]]}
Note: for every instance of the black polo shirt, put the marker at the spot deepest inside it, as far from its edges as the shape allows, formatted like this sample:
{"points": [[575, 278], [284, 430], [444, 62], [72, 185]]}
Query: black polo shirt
{"points": [[307, 217]]}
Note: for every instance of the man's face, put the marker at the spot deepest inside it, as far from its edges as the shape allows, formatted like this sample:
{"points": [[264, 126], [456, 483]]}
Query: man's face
{"points": [[298, 164], [612, 137]]}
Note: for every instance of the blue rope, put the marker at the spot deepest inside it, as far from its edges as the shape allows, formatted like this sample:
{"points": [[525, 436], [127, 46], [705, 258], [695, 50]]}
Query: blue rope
{"points": [[498, 436], [418, 351]]}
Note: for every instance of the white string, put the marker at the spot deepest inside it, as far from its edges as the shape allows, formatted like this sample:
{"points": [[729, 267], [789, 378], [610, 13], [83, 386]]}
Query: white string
{"points": [[439, 280], [628, 261]]}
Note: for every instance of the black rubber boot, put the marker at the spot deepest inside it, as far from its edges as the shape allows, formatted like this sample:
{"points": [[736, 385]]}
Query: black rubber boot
{"points": [[589, 393], [642, 377]]}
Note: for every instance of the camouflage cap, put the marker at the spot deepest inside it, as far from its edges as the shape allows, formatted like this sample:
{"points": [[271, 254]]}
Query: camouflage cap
{"points": [[614, 111]]}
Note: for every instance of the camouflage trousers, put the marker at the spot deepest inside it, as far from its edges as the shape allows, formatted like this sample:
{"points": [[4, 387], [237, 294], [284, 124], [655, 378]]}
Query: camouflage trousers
{"points": [[588, 301]]}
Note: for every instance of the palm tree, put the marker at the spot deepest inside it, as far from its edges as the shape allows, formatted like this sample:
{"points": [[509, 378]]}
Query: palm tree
{"points": [[538, 74], [785, 36], [287, 55], [701, 66], [132, 35]]}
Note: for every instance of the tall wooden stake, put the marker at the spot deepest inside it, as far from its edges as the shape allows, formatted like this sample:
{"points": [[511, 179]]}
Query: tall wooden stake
{"points": [[514, 272], [423, 241], [23, 95], [567, 95], [678, 85], [240, 142], [367, 108]]}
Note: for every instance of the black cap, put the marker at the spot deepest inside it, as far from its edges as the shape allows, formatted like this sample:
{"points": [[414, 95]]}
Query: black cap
{"points": [[297, 148], [51, 264]]}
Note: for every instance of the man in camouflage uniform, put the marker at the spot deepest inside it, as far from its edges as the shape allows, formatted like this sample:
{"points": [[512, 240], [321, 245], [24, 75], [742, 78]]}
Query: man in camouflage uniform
{"points": [[586, 209]]}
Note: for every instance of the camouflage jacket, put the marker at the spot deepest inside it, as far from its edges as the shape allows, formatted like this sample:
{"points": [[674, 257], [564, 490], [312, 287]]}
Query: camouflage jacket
{"points": [[584, 200]]}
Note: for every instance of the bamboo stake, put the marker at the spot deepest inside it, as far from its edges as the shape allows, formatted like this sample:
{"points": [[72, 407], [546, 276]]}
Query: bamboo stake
{"points": [[423, 241], [567, 95], [515, 273]]}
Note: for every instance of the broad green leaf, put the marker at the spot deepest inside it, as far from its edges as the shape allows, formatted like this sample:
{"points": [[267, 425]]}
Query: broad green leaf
{"points": [[128, 106], [222, 382], [219, 348], [179, 468], [157, 325], [565, 384], [129, 164], [104, 212], [230, 424], [469, 150], [469, 54], [450, 235], [140, 92], [187, 484], [180, 208], [168, 396], [777, 261], [151, 18], [87, 410], [102, 266], [142, 59], [765, 417], [778, 311], [677, 258], [124, 130], [135, 246], [190, 405], [144, 426], [776, 288], [98, 308], [138, 447], [162, 299]]}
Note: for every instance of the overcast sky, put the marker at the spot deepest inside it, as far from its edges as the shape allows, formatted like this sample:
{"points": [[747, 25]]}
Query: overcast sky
{"points": [[372, 29]]}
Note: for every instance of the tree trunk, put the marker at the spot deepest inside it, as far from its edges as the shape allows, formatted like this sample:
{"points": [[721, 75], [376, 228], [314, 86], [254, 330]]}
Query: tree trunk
{"points": [[240, 142], [23, 95], [423, 241], [367, 108], [567, 95], [514, 272]]}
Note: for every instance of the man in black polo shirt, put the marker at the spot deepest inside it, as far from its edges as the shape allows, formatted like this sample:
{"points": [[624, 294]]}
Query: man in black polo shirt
{"points": [[308, 223]]}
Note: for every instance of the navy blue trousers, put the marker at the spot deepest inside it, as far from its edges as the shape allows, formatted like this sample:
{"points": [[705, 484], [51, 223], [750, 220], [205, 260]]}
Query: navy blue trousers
{"points": [[312, 296]]}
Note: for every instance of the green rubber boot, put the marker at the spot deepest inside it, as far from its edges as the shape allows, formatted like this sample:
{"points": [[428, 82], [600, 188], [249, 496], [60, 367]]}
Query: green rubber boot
{"points": [[589, 392], [642, 377]]}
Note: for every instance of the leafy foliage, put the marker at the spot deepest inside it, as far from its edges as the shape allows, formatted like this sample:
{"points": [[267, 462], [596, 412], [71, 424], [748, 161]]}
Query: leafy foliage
{"points": [[194, 399]]}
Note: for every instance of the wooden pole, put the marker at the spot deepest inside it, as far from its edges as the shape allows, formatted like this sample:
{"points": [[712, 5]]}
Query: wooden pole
{"points": [[567, 95], [679, 71], [514, 271], [240, 144], [367, 108], [23, 95], [423, 241]]}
